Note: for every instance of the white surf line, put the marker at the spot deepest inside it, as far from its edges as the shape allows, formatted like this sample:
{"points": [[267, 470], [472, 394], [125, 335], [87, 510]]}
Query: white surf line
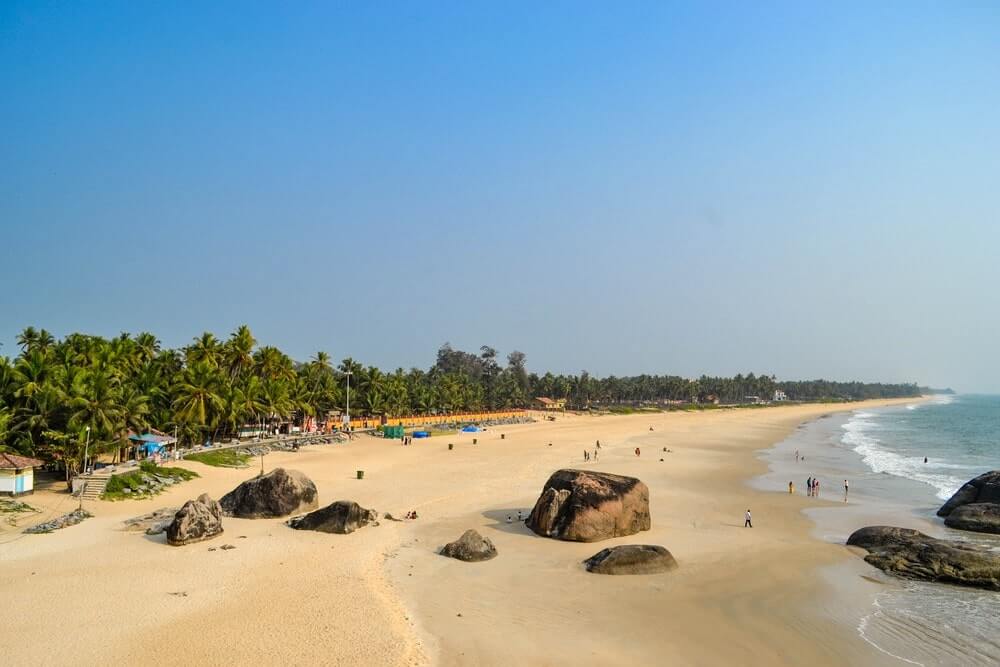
{"points": [[863, 623]]}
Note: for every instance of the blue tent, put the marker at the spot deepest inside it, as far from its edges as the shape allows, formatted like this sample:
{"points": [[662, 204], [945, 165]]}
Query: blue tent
{"points": [[470, 429], [421, 434]]}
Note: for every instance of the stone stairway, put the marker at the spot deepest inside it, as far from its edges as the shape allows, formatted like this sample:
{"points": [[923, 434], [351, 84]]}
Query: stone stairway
{"points": [[96, 483]]}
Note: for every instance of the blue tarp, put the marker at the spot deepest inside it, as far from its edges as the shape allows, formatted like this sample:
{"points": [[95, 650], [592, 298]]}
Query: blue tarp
{"points": [[150, 448], [470, 429], [421, 434]]}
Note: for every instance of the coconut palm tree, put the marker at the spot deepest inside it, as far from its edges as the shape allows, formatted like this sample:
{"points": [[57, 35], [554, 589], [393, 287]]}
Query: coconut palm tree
{"points": [[205, 349], [198, 396], [238, 352]]}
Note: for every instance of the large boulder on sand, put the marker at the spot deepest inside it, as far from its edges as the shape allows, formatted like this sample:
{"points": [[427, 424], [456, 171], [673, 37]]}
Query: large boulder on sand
{"points": [[585, 506], [912, 555], [470, 547], [631, 559], [197, 520], [341, 517], [975, 506], [278, 493]]}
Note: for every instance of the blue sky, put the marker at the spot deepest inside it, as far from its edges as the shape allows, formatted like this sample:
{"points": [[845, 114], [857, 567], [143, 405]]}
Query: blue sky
{"points": [[622, 188]]}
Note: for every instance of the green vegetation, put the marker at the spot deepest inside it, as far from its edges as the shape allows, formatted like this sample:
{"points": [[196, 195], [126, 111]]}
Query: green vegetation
{"points": [[139, 488], [224, 458], [58, 393]]}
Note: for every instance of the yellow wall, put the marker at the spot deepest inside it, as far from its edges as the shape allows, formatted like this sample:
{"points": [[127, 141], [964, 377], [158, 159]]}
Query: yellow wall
{"points": [[430, 420]]}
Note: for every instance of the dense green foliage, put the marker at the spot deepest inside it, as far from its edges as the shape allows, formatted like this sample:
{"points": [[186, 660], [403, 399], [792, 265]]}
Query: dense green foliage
{"points": [[54, 390], [115, 490]]}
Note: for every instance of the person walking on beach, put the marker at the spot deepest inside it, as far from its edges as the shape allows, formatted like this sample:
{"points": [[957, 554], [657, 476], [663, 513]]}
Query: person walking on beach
{"points": [[595, 454], [809, 486], [796, 456], [846, 486], [637, 451], [747, 524], [791, 487], [816, 488], [598, 444]]}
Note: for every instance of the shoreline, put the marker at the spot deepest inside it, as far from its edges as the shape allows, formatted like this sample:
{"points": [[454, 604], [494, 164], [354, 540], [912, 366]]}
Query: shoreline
{"points": [[909, 621], [384, 596]]}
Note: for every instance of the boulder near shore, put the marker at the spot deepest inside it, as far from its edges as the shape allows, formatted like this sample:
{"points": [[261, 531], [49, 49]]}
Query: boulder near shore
{"points": [[975, 506], [342, 517], [631, 559], [587, 506], [278, 493], [196, 521], [912, 555], [470, 547]]}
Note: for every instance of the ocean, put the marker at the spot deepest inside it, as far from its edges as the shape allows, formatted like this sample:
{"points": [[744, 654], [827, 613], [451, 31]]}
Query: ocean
{"points": [[882, 453]]}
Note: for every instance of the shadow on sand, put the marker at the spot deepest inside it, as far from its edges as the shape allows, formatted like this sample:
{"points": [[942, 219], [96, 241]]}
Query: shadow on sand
{"points": [[499, 519]]}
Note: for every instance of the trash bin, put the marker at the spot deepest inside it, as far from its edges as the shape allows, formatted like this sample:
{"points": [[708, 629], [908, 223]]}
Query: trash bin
{"points": [[451, 445], [503, 435], [361, 474], [475, 441]]}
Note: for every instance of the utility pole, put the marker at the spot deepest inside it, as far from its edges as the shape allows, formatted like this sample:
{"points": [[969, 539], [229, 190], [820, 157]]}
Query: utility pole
{"points": [[348, 373], [86, 452]]}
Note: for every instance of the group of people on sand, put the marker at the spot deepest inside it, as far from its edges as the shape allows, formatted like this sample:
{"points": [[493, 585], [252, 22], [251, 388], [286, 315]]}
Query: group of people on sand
{"points": [[587, 456], [412, 514]]}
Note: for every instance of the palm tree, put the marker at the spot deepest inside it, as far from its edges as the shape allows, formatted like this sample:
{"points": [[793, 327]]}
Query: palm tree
{"points": [[238, 352], [198, 399], [205, 349]]}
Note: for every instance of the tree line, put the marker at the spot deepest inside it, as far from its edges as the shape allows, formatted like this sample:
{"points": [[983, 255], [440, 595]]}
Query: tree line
{"points": [[55, 394]]}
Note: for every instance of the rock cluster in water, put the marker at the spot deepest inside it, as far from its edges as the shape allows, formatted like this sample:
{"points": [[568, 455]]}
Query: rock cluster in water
{"points": [[911, 554], [975, 506]]}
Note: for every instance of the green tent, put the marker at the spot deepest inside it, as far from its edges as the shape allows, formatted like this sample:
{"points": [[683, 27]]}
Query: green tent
{"points": [[392, 431]]}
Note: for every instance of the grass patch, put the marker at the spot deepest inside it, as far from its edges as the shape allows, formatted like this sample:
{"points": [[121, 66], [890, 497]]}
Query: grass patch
{"points": [[224, 458], [136, 481]]}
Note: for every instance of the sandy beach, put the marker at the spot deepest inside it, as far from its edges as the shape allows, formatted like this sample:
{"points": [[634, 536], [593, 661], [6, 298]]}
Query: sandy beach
{"points": [[94, 593]]}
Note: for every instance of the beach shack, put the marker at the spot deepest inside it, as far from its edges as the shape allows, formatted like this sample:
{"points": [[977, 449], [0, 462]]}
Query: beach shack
{"points": [[17, 474], [546, 403], [152, 443]]}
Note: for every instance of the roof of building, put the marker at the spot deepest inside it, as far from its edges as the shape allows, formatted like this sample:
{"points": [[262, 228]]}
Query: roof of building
{"points": [[15, 462], [544, 399], [154, 437]]}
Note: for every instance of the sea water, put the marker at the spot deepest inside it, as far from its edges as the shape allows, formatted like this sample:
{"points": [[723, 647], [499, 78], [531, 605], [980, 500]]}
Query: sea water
{"points": [[882, 452]]}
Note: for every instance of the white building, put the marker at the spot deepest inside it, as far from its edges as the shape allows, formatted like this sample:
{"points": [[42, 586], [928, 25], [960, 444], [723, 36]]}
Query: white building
{"points": [[17, 474], [780, 395]]}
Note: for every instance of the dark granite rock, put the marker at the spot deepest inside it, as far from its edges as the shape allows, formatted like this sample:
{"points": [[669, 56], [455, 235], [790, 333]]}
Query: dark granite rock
{"points": [[912, 555], [978, 517], [470, 547], [278, 493], [341, 517], [631, 559], [586, 506], [196, 521]]}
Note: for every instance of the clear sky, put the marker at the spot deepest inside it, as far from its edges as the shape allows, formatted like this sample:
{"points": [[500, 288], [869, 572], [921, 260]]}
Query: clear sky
{"points": [[617, 187]]}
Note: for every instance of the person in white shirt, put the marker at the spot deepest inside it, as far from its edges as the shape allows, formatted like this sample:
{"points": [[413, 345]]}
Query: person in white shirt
{"points": [[747, 524]]}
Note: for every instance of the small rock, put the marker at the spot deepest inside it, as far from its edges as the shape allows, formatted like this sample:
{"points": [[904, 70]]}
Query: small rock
{"points": [[227, 547]]}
